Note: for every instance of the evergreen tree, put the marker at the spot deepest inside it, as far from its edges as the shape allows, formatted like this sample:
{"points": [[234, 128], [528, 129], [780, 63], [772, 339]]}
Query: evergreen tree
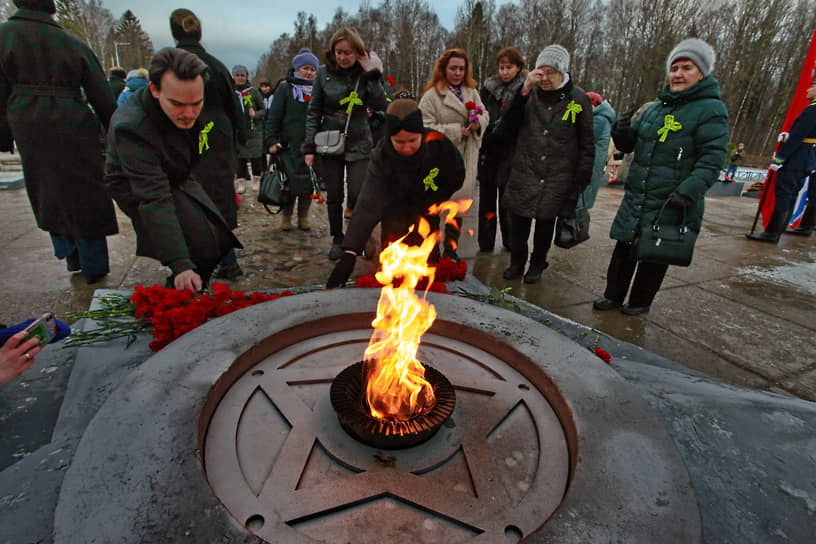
{"points": [[132, 42]]}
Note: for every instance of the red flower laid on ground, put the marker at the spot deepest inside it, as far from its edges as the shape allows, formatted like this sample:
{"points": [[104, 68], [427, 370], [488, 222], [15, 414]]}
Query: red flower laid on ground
{"points": [[603, 355], [173, 313]]}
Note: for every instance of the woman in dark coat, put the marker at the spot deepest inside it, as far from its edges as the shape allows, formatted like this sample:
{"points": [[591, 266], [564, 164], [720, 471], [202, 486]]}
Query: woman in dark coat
{"points": [[285, 130], [680, 144], [216, 166], [334, 99], [411, 169], [254, 109], [553, 160], [495, 155], [48, 80]]}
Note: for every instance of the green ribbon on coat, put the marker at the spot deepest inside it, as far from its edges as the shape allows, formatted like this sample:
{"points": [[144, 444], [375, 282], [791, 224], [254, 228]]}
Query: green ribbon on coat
{"points": [[572, 109], [353, 99], [669, 124], [203, 138], [429, 180]]}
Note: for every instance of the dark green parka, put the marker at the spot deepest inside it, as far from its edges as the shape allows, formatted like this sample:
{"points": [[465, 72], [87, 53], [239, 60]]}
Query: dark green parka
{"points": [[680, 144], [44, 72], [252, 97], [334, 85], [149, 173], [286, 124], [216, 168]]}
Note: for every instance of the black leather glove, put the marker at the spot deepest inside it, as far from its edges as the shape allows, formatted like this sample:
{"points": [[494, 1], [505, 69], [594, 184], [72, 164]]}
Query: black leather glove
{"points": [[342, 271], [676, 200], [625, 120]]}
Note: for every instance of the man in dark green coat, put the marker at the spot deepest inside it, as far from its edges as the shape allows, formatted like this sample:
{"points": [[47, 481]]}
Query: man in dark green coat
{"points": [[680, 144], [48, 79], [222, 120], [153, 146]]}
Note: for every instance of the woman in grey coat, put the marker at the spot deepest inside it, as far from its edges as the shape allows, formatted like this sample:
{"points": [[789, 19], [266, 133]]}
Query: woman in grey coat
{"points": [[553, 160]]}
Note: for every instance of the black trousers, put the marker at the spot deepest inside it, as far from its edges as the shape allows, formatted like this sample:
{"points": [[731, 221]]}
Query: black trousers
{"points": [[257, 167], [542, 239], [490, 214], [622, 267], [335, 171], [787, 186]]}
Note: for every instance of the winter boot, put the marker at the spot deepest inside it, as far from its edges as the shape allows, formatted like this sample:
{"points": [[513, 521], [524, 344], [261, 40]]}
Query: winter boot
{"points": [[452, 239], [534, 271], [516, 268], [286, 221], [776, 226], [303, 213], [240, 186], [72, 262], [807, 222]]}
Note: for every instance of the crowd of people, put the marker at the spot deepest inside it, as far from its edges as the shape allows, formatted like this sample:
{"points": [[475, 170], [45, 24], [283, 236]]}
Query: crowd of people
{"points": [[185, 135]]}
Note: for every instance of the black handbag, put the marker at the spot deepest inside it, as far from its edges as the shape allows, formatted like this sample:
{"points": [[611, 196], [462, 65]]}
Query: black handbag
{"points": [[666, 244], [571, 231], [274, 189]]}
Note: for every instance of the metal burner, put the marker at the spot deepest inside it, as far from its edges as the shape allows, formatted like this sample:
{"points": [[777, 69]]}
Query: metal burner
{"points": [[347, 398]]}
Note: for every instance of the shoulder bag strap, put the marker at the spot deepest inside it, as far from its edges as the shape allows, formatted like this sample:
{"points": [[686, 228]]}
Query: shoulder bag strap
{"points": [[348, 116]]}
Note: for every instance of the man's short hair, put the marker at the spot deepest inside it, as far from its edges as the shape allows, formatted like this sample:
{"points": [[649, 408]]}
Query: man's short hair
{"points": [[183, 64]]}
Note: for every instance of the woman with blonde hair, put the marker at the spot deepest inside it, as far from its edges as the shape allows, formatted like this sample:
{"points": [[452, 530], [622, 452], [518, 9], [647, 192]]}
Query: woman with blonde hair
{"points": [[343, 89], [451, 104]]}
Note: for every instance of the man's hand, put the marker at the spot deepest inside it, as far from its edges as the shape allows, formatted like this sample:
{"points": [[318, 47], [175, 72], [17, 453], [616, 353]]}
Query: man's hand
{"points": [[342, 270], [308, 158], [783, 137], [251, 113], [188, 279], [274, 148], [776, 163]]}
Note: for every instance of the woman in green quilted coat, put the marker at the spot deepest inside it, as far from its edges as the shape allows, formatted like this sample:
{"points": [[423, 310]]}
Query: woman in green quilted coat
{"points": [[680, 144]]}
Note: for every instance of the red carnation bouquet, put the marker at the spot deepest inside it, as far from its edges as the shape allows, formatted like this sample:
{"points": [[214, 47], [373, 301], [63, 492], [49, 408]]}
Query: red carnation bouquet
{"points": [[166, 313], [474, 111]]}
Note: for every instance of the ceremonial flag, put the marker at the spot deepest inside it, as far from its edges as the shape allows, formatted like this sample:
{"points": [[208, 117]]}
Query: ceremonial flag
{"points": [[798, 104]]}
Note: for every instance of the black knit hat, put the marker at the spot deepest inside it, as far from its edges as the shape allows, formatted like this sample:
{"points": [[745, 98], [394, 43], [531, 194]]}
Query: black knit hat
{"points": [[37, 5]]}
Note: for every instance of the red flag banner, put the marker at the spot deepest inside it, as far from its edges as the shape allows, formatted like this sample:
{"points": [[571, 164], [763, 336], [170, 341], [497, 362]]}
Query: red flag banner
{"points": [[798, 104]]}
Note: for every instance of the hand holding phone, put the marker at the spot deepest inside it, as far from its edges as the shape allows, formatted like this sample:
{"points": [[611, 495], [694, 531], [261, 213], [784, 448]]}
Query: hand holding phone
{"points": [[16, 355], [44, 329]]}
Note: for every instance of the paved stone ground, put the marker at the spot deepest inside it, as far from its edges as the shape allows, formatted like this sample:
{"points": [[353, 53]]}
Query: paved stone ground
{"points": [[744, 312]]}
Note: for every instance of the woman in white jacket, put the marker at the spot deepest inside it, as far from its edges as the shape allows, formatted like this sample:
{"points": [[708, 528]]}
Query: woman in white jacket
{"points": [[451, 105]]}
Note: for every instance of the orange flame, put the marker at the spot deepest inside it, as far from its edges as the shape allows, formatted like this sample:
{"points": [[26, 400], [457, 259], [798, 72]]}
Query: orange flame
{"points": [[396, 387]]}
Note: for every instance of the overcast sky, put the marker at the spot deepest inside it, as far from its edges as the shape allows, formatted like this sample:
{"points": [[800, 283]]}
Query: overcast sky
{"points": [[239, 32]]}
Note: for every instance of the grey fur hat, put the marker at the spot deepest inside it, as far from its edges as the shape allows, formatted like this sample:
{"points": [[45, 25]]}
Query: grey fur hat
{"points": [[240, 69], [697, 51], [556, 56]]}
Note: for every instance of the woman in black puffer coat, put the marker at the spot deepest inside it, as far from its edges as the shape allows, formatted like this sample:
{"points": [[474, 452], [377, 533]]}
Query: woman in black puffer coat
{"points": [[555, 151], [334, 100]]}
